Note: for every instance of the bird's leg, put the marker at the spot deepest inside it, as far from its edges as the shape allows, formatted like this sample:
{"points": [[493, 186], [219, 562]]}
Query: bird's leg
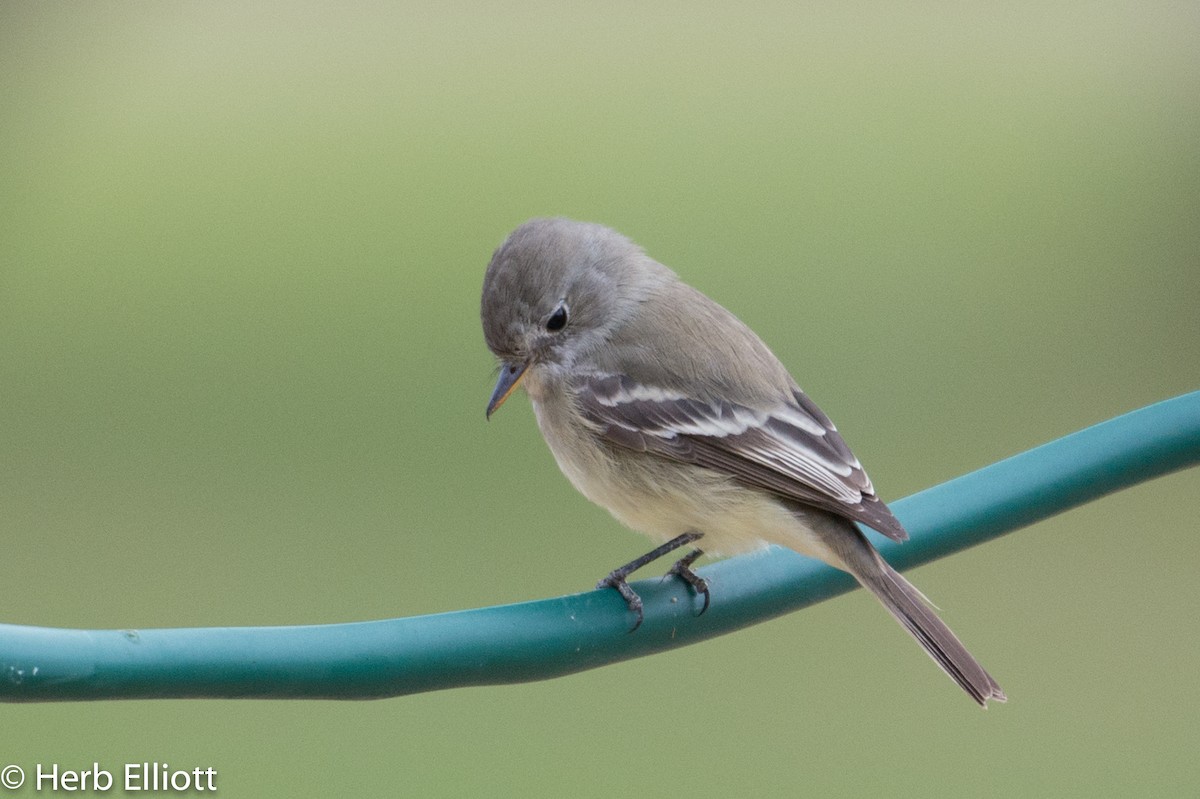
{"points": [[683, 570], [618, 578]]}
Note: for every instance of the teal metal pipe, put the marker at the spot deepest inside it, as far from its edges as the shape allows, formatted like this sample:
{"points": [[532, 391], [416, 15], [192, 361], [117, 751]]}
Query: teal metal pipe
{"points": [[551, 637]]}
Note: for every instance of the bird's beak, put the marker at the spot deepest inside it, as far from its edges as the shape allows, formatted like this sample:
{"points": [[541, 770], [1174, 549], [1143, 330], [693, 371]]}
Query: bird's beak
{"points": [[510, 378]]}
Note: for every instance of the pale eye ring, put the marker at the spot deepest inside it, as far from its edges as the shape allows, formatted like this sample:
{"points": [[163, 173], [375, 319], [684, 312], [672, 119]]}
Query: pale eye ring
{"points": [[558, 319]]}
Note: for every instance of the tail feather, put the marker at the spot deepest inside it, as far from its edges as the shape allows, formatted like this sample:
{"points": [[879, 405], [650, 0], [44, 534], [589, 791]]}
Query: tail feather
{"points": [[909, 607], [853, 552]]}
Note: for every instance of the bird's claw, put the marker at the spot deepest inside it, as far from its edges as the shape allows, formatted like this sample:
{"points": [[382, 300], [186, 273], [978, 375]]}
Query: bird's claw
{"points": [[683, 570], [632, 600]]}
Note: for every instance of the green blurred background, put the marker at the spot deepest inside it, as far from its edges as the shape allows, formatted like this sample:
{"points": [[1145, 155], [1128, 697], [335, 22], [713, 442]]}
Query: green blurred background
{"points": [[242, 379]]}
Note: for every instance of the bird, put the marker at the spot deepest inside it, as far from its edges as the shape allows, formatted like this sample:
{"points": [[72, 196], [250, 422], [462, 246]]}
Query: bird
{"points": [[663, 407]]}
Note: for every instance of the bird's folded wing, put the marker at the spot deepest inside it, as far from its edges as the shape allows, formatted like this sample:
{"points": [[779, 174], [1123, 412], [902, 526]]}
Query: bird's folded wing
{"points": [[792, 450]]}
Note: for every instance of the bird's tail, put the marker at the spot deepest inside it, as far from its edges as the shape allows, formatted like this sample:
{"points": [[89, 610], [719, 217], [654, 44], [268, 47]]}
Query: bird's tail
{"points": [[913, 611]]}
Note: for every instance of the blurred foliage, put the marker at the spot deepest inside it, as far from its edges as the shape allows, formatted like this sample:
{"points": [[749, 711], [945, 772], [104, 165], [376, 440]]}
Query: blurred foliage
{"points": [[242, 379]]}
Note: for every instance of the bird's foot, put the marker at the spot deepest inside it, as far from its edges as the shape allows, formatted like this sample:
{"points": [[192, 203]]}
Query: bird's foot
{"points": [[618, 578], [618, 581], [683, 570]]}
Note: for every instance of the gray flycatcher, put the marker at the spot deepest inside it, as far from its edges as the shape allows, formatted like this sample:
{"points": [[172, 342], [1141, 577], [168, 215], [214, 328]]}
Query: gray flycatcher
{"points": [[664, 408]]}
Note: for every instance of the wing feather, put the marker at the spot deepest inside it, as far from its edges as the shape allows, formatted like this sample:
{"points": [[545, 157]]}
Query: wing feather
{"points": [[792, 450]]}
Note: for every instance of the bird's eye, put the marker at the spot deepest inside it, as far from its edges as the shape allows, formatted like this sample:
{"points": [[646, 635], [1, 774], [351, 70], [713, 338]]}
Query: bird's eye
{"points": [[558, 319]]}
